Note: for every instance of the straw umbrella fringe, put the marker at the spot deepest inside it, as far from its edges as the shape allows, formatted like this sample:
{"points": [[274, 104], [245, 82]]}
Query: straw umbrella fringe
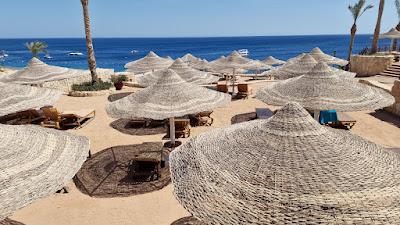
{"points": [[393, 34], [320, 56], [150, 63], [286, 170], [170, 97], [323, 89], [273, 61], [38, 72], [36, 162], [15, 98]]}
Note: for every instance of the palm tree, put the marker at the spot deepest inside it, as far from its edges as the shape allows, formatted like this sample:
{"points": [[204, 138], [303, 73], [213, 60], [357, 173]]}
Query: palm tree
{"points": [[357, 10], [374, 47], [36, 47], [397, 3], [89, 43]]}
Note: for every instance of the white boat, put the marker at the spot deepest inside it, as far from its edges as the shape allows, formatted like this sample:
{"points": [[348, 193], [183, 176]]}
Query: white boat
{"points": [[76, 53], [134, 52], [3, 54], [48, 57], [243, 52]]}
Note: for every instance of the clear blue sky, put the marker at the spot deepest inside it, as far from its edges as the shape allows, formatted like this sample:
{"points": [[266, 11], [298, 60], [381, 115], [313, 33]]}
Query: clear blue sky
{"points": [[183, 18]]}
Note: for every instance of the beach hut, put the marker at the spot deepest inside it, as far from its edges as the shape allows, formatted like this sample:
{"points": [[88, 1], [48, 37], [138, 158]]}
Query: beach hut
{"points": [[170, 97], [324, 89], [273, 61], [43, 75], [36, 162], [150, 63], [16, 98], [320, 56], [286, 170], [393, 34], [183, 70]]}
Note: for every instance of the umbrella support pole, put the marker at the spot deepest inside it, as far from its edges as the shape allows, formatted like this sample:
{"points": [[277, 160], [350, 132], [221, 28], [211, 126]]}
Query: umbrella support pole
{"points": [[316, 115], [233, 81], [172, 130]]}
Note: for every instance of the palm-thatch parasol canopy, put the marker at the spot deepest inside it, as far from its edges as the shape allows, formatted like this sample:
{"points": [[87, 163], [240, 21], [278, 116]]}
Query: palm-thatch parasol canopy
{"points": [[189, 59], [286, 170], [183, 70], [201, 65], [38, 72], [293, 68], [323, 89], [273, 61], [392, 34], [16, 98], [320, 56], [233, 61], [170, 97], [151, 62], [169, 58], [36, 162]]}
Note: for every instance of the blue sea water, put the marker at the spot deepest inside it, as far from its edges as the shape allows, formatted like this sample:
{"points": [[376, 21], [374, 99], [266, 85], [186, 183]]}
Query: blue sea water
{"points": [[115, 52]]}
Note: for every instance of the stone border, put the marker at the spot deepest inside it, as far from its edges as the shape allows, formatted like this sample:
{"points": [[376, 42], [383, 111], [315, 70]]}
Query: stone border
{"points": [[91, 93]]}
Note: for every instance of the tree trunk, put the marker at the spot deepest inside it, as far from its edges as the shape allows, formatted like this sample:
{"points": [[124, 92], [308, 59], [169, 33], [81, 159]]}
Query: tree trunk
{"points": [[395, 40], [89, 43], [352, 37], [374, 48]]}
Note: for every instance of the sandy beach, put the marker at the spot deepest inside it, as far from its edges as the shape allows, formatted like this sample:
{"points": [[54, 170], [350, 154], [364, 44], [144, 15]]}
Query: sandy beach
{"points": [[159, 207]]}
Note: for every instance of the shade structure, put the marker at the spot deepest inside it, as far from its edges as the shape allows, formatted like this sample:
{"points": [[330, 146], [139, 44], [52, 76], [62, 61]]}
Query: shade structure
{"points": [[190, 59], [15, 97], [38, 72], [36, 162], [286, 170], [273, 61], [259, 65], [203, 65], [183, 70], [320, 56], [293, 68], [233, 61], [169, 58], [151, 62], [391, 34], [170, 97], [323, 89]]}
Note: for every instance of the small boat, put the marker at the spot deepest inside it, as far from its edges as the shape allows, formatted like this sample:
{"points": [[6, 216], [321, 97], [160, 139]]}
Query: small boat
{"points": [[75, 53], [3, 54], [48, 57], [134, 52], [243, 52]]}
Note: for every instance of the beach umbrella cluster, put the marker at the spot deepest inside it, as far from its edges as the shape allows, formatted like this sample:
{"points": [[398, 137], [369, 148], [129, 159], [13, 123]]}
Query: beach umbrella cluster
{"points": [[286, 170], [170, 97], [150, 63], [273, 61]]}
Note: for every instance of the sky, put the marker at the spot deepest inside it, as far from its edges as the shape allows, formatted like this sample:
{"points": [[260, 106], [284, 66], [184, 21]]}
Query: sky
{"points": [[186, 18]]}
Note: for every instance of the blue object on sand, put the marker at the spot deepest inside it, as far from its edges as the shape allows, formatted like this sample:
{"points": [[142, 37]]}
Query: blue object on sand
{"points": [[328, 116]]}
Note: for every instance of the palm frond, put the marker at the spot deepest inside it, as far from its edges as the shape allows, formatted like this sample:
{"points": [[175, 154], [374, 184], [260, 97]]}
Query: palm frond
{"points": [[358, 9]]}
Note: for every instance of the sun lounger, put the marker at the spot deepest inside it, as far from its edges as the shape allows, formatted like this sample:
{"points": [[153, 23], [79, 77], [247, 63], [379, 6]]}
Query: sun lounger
{"points": [[244, 91], [56, 119], [182, 128], [201, 119], [222, 88], [264, 113], [346, 120], [146, 165]]}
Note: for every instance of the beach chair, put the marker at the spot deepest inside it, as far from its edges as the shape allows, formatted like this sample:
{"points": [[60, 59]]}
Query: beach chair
{"points": [[222, 88], [147, 165], [346, 120], [244, 91], [263, 113], [201, 119], [56, 119], [182, 128]]}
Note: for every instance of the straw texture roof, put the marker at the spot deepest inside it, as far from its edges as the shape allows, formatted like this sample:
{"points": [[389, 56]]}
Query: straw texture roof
{"points": [[170, 97], [323, 89], [36, 162], [286, 170], [233, 61], [273, 61], [15, 97], [183, 70], [189, 58], [320, 56], [391, 34], [201, 65], [38, 72], [294, 68], [151, 62]]}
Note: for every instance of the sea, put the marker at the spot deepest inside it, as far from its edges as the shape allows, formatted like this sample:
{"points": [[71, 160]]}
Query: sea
{"points": [[116, 52]]}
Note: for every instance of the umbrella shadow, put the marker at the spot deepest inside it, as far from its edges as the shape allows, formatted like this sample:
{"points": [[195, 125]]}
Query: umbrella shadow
{"points": [[386, 117], [245, 117], [8, 221]]}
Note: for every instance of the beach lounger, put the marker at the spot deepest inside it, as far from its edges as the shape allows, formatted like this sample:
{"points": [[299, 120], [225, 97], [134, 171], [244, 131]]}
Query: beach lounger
{"points": [[147, 165], [263, 113], [56, 119], [344, 121], [244, 91], [201, 119], [222, 88], [182, 128]]}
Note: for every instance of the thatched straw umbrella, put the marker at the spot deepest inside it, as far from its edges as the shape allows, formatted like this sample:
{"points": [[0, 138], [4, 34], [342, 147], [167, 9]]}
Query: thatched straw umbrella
{"points": [[286, 170], [393, 34], [320, 56], [36, 162], [273, 61], [170, 97], [323, 89], [150, 63], [293, 68], [183, 70], [202, 65], [169, 58], [16, 98], [190, 59]]}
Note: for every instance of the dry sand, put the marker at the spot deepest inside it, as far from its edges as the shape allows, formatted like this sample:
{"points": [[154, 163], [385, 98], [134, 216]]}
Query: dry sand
{"points": [[160, 207]]}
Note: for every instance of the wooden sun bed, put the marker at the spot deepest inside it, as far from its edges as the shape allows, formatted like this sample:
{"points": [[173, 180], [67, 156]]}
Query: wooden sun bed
{"points": [[56, 119], [182, 128], [346, 120], [201, 119], [263, 113]]}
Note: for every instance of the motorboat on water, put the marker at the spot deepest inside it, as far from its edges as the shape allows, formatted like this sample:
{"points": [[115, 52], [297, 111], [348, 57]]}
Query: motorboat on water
{"points": [[243, 52], [134, 52], [3, 54], [48, 57], [76, 53]]}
